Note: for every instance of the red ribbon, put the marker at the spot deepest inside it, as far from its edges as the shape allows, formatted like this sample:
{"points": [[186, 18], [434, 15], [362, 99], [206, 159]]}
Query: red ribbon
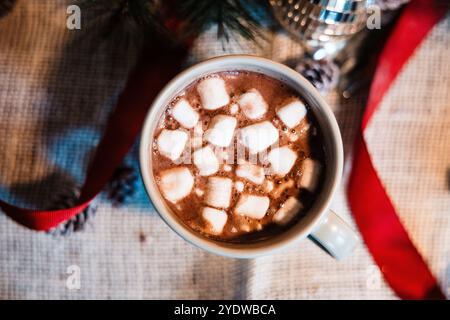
{"points": [[387, 240], [157, 65]]}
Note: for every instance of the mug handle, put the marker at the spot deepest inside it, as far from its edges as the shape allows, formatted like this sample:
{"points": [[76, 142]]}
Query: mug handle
{"points": [[335, 236]]}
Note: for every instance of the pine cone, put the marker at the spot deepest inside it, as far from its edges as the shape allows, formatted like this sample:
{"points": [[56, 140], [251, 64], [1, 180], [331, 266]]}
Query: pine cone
{"points": [[6, 6], [390, 4], [122, 185], [323, 74], [67, 199]]}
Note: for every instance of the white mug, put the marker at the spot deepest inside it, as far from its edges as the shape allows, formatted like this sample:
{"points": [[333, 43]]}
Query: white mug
{"points": [[320, 223]]}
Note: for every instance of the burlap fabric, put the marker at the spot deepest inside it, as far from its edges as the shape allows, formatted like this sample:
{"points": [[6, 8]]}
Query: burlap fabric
{"points": [[55, 96]]}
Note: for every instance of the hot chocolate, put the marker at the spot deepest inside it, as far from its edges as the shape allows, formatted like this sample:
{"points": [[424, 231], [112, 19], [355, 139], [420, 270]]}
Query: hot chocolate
{"points": [[238, 156]]}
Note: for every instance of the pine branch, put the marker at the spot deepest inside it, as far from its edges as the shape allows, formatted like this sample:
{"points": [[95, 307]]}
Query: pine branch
{"points": [[142, 17], [122, 185], [6, 6], [126, 21], [144, 13], [230, 16], [67, 197]]}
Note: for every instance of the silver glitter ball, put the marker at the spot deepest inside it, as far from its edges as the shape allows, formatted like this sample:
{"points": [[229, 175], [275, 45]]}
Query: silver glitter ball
{"points": [[323, 26]]}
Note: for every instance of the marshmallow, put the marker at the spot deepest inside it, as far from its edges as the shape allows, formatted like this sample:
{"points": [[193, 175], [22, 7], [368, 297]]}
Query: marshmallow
{"points": [[259, 136], [252, 104], [218, 192], [251, 206], [292, 136], [206, 161], [239, 186], [281, 160], [171, 143], [292, 113], [197, 139], [176, 183], [251, 172], [185, 114], [310, 174], [199, 192], [213, 93], [234, 108], [268, 186], [222, 153], [305, 128], [221, 130], [215, 218], [288, 211]]}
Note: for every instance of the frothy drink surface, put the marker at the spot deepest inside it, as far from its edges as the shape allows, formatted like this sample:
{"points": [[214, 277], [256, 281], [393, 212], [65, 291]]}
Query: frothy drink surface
{"points": [[238, 156]]}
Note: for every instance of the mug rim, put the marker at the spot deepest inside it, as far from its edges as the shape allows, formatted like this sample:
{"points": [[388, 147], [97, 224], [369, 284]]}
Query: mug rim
{"points": [[249, 250]]}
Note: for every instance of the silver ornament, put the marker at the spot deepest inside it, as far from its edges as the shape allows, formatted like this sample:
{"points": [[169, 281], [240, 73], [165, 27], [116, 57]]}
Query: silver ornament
{"points": [[324, 26]]}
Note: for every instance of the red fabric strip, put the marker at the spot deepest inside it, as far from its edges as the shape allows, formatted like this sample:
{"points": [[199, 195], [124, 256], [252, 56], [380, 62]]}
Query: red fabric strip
{"points": [[387, 240], [157, 65]]}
